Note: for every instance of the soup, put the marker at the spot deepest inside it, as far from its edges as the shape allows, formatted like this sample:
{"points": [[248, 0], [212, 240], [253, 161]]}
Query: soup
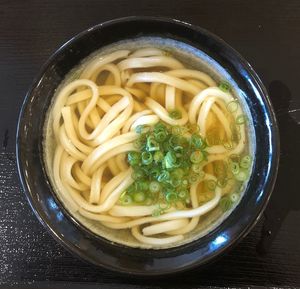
{"points": [[144, 149]]}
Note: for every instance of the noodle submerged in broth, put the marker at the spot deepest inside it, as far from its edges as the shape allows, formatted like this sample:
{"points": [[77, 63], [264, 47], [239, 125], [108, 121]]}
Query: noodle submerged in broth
{"points": [[145, 144]]}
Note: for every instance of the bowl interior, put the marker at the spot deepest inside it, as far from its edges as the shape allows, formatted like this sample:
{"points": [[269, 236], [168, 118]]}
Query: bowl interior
{"points": [[191, 57], [117, 257]]}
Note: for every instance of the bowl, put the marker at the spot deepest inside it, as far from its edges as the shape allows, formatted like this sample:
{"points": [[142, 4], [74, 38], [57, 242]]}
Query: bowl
{"points": [[99, 251]]}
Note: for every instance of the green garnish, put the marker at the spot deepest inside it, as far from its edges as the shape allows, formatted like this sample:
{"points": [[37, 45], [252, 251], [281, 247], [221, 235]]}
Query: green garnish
{"points": [[139, 197], [232, 106], [175, 114], [158, 156], [225, 86], [141, 129], [138, 174], [154, 187], [183, 194], [171, 197], [245, 162], [193, 128], [166, 164], [225, 204], [125, 200], [234, 197], [198, 142], [211, 185], [193, 178], [133, 158], [235, 168], [241, 119], [163, 176], [152, 144], [242, 176], [160, 136], [147, 158], [169, 160], [196, 168], [196, 157]]}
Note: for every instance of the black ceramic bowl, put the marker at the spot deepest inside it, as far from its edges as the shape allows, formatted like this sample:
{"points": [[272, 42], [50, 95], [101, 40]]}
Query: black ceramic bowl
{"points": [[95, 249]]}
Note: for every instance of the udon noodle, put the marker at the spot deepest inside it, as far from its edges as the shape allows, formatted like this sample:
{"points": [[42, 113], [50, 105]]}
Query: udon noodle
{"points": [[144, 143]]}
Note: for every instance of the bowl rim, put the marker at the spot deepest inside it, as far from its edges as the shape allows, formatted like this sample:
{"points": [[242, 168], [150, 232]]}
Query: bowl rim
{"points": [[267, 189]]}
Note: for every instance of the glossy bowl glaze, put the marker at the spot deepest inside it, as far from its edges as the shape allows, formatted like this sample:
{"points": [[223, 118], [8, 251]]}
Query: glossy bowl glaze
{"points": [[97, 250]]}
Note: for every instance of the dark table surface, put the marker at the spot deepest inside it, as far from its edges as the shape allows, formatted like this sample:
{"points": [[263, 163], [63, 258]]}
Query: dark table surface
{"points": [[266, 33]]}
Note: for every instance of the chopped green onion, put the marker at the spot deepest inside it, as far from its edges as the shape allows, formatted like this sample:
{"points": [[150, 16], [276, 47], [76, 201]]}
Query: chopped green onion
{"points": [[235, 168], [177, 130], [143, 186], [196, 157], [201, 175], [160, 136], [154, 187], [175, 182], [225, 204], [194, 128], [225, 86], [245, 162], [234, 197], [222, 182], [170, 160], [160, 127], [151, 144], [175, 114], [133, 158], [193, 177], [147, 158], [173, 141], [211, 185], [198, 142], [183, 194], [178, 173], [167, 163], [163, 206], [138, 144], [241, 176], [228, 145], [232, 106], [235, 158], [141, 129], [130, 189], [125, 200], [196, 168], [158, 156], [178, 150], [163, 176], [139, 197], [241, 119], [171, 197], [185, 183], [137, 174], [154, 172]]}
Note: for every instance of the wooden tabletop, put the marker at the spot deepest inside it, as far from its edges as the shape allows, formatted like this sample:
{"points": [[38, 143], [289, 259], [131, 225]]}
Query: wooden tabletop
{"points": [[266, 33]]}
